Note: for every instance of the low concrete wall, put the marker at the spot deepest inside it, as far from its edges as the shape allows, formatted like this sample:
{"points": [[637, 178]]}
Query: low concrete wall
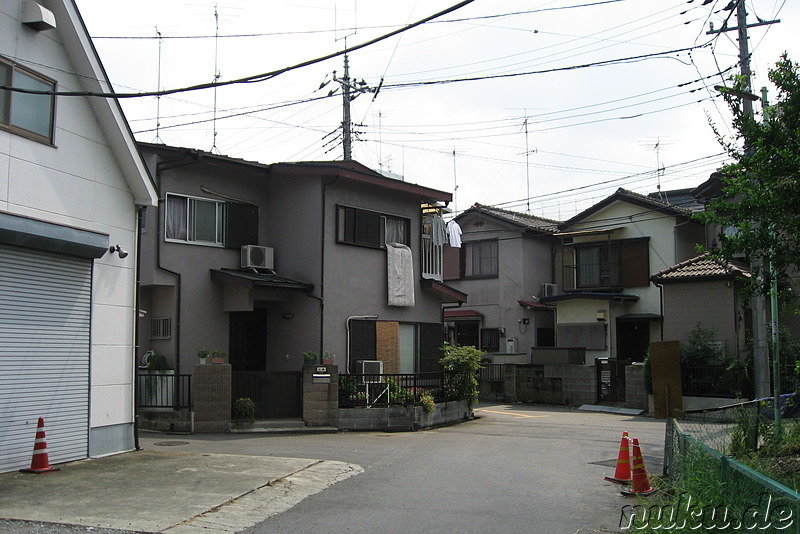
{"points": [[211, 397], [403, 418], [635, 392], [321, 395]]}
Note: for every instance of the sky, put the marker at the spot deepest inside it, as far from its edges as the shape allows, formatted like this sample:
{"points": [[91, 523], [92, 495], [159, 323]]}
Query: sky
{"points": [[539, 106]]}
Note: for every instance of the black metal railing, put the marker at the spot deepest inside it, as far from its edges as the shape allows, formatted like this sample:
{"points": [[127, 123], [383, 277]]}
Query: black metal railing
{"points": [[161, 390], [716, 381], [395, 389], [491, 372]]}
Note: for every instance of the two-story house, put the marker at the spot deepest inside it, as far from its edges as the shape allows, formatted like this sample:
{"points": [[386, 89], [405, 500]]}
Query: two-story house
{"points": [[72, 187], [266, 262], [504, 263], [605, 301]]}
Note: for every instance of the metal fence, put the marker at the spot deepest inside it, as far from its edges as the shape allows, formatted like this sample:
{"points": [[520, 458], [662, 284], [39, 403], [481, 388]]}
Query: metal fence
{"points": [[716, 381], [395, 389], [159, 390], [721, 466]]}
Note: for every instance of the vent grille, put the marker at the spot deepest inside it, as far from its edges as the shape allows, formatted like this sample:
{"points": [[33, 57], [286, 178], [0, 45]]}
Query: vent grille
{"points": [[161, 328]]}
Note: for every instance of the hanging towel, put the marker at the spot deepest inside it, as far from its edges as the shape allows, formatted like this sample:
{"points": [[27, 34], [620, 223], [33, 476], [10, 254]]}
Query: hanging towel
{"points": [[400, 274], [438, 231], [454, 231]]}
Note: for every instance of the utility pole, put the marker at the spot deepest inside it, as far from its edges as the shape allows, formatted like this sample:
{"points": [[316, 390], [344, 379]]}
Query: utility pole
{"points": [[760, 349], [350, 91]]}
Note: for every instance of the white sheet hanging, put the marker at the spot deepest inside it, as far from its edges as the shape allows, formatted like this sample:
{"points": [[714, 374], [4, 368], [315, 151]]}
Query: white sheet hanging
{"points": [[400, 274]]}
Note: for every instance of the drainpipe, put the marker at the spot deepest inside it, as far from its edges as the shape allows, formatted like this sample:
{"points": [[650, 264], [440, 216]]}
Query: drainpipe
{"points": [[137, 274], [321, 298], [347, 350]]}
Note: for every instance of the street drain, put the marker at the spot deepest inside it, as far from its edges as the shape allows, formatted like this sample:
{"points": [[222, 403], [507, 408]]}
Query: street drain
{"points": [[170, 443]]}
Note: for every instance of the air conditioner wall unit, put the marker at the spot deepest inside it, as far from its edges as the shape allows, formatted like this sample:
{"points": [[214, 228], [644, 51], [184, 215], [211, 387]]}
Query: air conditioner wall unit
{"points": [[372, 368], [549, 290], [257, 257]]}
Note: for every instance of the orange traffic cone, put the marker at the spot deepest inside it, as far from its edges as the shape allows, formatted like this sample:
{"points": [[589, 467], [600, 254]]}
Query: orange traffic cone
{"points": [[641, 485], [40, 463], [622, 475]]}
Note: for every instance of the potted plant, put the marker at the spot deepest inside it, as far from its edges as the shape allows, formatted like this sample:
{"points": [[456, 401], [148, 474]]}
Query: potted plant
{"points": [[218, 356], [244, 409], [310, 357], [203, 355], [328, 358], [157, 389]]}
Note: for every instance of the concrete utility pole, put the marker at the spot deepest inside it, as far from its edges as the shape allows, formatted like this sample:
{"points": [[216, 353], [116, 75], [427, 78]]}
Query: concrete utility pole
{"points": [[760, 348], [350, 91]]}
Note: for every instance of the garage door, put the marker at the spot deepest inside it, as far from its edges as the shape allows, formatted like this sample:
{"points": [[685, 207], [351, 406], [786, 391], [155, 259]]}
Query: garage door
{"points": [[45, 312]]}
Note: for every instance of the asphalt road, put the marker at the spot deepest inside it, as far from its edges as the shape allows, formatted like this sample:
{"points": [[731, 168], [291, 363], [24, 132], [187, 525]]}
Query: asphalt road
{"points": [[516, 468]]}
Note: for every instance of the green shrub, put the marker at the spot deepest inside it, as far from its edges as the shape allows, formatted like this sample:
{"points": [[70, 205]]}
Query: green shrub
{"points": [[244, 408], [463, 364]]}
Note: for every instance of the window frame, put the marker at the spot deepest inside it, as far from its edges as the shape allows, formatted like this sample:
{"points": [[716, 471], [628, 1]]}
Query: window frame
{"points": [[190, 228], [467, 251], [348, 232], [7, 102]]}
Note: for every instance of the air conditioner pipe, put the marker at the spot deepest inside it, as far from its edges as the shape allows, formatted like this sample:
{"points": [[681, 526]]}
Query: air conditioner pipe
{"points": [[347, 350]]}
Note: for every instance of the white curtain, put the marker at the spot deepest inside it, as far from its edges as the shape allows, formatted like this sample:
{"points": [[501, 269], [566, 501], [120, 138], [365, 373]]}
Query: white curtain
{"points": [[176, 217], [395, 231]]}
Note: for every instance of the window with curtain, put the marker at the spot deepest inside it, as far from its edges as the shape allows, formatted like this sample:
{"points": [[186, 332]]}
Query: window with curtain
{"points": [[598, 266], [27, 114], [370, 228], [194, 220], [480, 259]]}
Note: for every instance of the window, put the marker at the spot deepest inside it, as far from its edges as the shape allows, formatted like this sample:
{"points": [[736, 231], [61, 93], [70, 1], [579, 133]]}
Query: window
{"points": [[480, 259], [370, 228], [490, 339], [195, 220], [598, 266], [26, 114], [616, 264]]}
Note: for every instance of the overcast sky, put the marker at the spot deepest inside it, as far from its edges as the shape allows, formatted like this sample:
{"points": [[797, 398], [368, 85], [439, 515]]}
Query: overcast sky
{"points": [[607, 91]]}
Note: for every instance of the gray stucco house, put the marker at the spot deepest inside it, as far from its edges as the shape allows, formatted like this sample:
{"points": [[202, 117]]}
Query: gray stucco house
{"points": [[265, 262], [505, 263]]}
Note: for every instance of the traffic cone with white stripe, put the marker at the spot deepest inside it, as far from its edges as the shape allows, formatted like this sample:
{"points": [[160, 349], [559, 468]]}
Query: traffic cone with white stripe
{"points": [[640, 482], [40, 463], [622, 475]]}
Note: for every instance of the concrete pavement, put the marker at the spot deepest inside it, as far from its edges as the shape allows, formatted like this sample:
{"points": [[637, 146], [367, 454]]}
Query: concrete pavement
{"points": [[174, 492]]}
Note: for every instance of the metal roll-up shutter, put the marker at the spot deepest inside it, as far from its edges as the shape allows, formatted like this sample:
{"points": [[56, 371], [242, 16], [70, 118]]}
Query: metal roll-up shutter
{"points": [[45, 313]]}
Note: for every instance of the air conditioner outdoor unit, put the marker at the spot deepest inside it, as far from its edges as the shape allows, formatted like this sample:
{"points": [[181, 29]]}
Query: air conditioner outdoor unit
{"points": [[256, 257], [372, 369], [549, 290]]}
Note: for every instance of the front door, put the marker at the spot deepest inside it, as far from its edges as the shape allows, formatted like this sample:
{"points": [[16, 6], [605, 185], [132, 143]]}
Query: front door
{"points": [[633, 340], [276, 394]]}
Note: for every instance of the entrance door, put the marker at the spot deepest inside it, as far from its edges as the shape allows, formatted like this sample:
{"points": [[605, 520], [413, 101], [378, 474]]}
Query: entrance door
{"points": [[633, 339], [276, 394]]}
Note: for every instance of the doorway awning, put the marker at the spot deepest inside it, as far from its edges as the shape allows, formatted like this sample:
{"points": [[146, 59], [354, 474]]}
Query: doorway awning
{"points": [[447, 293], [450, 314], [639, 317], [258, 280]]}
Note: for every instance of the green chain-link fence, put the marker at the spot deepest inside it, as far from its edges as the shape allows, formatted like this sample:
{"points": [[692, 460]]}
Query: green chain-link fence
{"points": [[726, 473]]}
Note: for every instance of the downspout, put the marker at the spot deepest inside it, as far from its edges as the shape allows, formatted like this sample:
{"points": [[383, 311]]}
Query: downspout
{"points": [[661, 306], [321, 298], [138, 284]]}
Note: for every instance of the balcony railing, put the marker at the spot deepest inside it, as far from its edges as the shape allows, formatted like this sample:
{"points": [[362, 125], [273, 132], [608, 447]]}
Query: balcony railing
{"points": [[164, 390], [431, 259]]}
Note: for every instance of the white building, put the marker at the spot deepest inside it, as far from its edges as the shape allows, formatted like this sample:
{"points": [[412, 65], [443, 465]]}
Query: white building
{"points": [[71, 187]]}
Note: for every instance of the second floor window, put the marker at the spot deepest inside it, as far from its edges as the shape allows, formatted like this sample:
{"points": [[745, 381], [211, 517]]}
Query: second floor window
{"points": [[370, 228], [195, 220], [598, 266], [27, 114], [480, 259], [617, 264]]}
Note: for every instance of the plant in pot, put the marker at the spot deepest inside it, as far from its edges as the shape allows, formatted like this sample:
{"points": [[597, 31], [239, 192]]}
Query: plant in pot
{"points": [[203, 355], [157, 389], [218, 356], [310, 357], [328, 358], [244, 409]]}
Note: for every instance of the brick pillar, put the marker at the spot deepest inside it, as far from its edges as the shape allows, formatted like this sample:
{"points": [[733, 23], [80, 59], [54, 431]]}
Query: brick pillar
{"points": [[211, 397], [321, 395]]}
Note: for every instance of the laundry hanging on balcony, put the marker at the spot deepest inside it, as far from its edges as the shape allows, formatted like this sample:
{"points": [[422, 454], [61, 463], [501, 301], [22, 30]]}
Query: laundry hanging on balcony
{"points": [[454, 231], [438, 231], [400, 274]]}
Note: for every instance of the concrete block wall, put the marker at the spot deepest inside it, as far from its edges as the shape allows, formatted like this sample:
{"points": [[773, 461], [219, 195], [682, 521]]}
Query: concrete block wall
{"points": [[211, 397], [403, 418], [321, 395], [578, 383], [533, 386], [635, 392]]}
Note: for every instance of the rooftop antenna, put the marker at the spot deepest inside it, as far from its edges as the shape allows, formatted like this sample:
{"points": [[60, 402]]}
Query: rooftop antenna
{"points": [[527, 164], [455, 183], [217, 76], [158, 87]]}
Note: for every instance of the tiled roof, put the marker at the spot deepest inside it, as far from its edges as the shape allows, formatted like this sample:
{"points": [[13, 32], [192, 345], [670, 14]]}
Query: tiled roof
{"points": [[530, 222], [644, 201], [700, 268]]}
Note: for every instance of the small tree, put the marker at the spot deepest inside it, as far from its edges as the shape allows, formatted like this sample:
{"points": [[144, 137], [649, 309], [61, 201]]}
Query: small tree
{"points": [[464, 363]]}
